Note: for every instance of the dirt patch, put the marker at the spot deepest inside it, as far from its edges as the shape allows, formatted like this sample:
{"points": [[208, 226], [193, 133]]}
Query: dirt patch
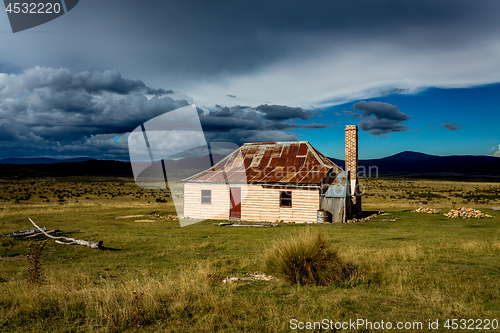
{"points": [[14, 258], [128, 216], [153, 215]]}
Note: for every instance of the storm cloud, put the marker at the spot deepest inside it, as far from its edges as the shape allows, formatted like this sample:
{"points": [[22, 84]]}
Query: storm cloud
{"points": [[282, 112], [379, 118], [59, 105], [240, 124], [54, 112], [276, 52]]}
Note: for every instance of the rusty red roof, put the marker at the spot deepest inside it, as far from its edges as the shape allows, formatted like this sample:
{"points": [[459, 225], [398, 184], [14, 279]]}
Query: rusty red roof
{"points": [[270, 162]]}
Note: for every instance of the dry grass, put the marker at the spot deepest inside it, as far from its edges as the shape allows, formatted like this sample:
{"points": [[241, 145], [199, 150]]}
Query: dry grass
{"points": [[409, 266], [386, 193], [307, 259], [105, 305], [479, 247]]}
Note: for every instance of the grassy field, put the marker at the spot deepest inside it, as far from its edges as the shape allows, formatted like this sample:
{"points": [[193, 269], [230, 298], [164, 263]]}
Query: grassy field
{"points": [[158, 277]]}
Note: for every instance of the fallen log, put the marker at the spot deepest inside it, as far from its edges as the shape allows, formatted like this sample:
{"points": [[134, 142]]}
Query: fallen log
{"points": [[39, 234], [68, 240], [23, 232]]}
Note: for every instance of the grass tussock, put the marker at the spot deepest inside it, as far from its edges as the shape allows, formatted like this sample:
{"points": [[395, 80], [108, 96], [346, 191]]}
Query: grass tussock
{"points": [[307, 259]]}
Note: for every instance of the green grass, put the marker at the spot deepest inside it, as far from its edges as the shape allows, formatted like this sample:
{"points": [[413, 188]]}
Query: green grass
{"points": [[410, 266]]}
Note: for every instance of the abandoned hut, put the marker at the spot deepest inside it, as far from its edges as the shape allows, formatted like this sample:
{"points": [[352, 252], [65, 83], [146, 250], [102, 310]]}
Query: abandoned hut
{"points": [[276, 181]]}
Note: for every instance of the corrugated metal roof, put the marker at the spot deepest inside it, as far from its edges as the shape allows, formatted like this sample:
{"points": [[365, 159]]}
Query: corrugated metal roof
{"points": [[270, 162], [340, 187]]}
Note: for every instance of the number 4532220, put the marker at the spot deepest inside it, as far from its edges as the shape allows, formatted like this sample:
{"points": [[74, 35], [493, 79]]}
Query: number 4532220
{"points": [[33, 8], [471, 324]]}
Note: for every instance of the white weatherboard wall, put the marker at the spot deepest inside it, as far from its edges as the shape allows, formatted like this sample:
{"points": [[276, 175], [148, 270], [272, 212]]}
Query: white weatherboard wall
{"points": [[218, 209], [262, 203]]}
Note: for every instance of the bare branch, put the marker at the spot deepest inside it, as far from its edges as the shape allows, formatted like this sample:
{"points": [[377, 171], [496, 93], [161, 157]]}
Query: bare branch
{"points": [[68, 240]]}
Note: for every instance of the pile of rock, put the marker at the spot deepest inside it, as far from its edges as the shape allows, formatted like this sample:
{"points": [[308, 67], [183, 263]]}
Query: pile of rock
{"points": [[364, 219], [427, 210], [167, 217], [466, 213]]}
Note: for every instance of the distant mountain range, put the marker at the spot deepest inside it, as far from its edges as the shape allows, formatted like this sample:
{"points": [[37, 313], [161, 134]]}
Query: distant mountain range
{"points": [[42, 160], [409, 163], [405, 164], [59, 169]]}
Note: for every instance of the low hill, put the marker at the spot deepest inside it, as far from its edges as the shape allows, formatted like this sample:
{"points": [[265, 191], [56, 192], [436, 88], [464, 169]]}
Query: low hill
{"points": [[42, 160], [405, 164], [418, 164]]}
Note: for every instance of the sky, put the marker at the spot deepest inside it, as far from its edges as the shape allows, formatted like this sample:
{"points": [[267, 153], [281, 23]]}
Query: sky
{"points": [[413, 75]]}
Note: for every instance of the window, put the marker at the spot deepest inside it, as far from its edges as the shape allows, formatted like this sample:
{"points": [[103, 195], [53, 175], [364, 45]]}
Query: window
{"points": [[286, 199], [206, 196]]}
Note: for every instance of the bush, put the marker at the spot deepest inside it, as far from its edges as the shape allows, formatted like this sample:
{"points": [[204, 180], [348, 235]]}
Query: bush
{"points": [[35, 268], [306, 259]]}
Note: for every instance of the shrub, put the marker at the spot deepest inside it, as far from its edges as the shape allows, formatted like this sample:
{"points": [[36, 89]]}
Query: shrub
{"points": [[35, 268], [306, 259]]}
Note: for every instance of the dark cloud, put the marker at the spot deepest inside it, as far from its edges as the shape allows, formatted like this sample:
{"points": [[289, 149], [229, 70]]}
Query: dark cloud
{"points": [[60, 105], [231, 118], [292, 126], [379, 118], [109, 81], [244, 136], [242, 124], [54, 112], [394, 91], [282, 112], [164, 38], [451, 126], [62, 79]]}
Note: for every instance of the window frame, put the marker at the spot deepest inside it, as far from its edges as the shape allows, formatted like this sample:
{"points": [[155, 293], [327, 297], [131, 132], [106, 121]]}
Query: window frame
{"points": [[286, 199], [206, 196]]}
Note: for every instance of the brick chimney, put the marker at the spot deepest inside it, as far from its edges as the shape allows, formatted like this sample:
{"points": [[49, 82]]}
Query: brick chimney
{"points": [[351, 160]]}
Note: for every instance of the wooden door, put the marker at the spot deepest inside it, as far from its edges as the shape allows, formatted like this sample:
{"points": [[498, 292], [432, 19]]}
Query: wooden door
{"points": [[235, 202]]}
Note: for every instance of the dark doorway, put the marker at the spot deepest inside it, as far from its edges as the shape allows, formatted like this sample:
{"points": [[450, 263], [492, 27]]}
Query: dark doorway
{"points": [[235, 202]]}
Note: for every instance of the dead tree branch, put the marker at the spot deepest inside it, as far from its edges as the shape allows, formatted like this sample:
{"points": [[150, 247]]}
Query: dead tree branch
{"points": [[22, 233], [68, 240]]}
